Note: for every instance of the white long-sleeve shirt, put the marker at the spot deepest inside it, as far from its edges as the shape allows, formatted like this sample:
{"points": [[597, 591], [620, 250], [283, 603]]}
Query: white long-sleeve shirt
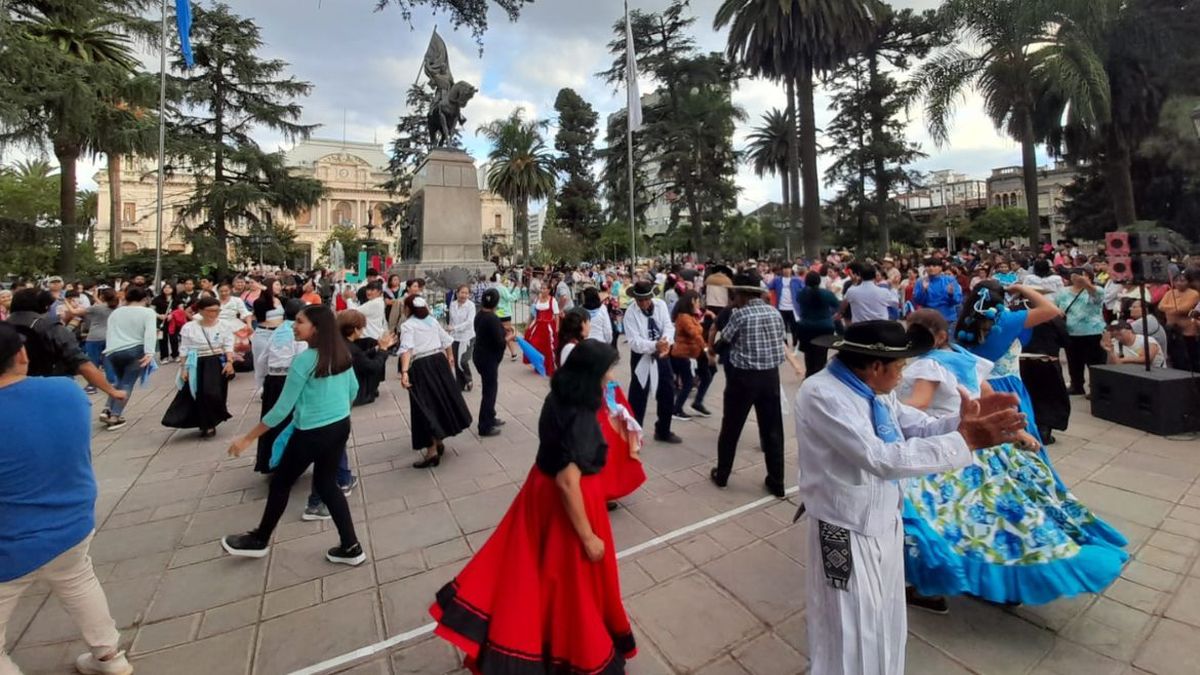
{"points": [[601, 326], [462, 321], [847, 473], [637, 327], [375, 312], [205, 340]]}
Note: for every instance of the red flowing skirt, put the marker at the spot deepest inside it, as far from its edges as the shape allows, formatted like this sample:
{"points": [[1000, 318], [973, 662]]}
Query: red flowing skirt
{"points": [[544, 337], [530, 602]]}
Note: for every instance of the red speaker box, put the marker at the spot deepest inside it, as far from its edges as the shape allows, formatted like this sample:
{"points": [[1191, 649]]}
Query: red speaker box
{"points": [[1116, 244]]}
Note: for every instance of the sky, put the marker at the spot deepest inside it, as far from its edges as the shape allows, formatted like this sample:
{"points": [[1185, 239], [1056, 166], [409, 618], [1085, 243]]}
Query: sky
{"points": [[361, 63]]}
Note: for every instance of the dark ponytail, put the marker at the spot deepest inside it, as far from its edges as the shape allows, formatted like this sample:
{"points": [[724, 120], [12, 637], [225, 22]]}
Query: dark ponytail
{"points": [[333, 357]]}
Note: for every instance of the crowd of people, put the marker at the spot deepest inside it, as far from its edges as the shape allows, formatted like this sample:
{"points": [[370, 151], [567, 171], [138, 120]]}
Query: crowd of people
{"points": [[943, 392]]}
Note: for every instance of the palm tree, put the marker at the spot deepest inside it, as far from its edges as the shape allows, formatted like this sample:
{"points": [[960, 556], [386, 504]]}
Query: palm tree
{"points": [[794, 40], [81, 50], [522, 167], [125, 127], [1009, 39], [769, 149]]}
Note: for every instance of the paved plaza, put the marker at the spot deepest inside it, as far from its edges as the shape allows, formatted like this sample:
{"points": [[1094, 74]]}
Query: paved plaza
{"points": [[723, 598]]}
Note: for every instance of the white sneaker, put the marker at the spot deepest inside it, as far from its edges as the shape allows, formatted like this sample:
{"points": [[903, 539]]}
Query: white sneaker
{"points": [[88, 664]]}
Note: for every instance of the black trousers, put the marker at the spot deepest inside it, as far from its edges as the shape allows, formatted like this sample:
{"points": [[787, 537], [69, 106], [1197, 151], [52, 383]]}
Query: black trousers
{"points": [[271, 389], [323, 448], [168, 345], [1083, 351], [815, 357], [746, 389], [489, 377], [683, 371], [1183, 352], [789, 324], [664, 397]]}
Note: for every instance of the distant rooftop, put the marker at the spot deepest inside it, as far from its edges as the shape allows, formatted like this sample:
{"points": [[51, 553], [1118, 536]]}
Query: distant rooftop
{"points": [[307, 153]]}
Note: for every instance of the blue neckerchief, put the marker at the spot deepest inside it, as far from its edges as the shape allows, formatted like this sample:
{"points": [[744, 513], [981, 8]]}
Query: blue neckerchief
{"points": [[881, 415], [961, 363], [147, 372], [283, 334], [189, 364], [280, 444], [1005, 278], [610, 396]]}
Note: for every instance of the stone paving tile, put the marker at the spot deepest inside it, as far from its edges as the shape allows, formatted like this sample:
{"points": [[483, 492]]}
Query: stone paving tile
{"points": [[676, 617], [228, 654], [418, 526], [305, 637]]}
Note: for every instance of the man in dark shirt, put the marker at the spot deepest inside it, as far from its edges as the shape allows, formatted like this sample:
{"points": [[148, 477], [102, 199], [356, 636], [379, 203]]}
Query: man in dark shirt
{"points": [[490, 343], [51, 346]]}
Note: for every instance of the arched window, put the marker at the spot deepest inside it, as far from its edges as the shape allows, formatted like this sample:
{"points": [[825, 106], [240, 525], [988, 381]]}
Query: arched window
{"points": [[343, 213]]}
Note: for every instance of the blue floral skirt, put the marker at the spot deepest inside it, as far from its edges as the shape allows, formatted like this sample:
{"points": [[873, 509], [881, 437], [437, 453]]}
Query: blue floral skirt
{"points": [[1005, 530]]}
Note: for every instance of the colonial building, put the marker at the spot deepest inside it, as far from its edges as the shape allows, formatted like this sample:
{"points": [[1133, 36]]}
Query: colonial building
{"points": [[351, 173], [1006, 188]]}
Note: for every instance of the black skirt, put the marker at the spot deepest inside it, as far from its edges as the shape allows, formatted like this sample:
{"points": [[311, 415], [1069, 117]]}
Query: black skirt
{"points": [[271, 389], [1048, 393], [438, 408], [207, 409]]}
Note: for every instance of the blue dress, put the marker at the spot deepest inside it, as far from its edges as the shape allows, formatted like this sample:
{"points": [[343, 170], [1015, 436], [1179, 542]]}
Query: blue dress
{"points": [[1006, 528]]}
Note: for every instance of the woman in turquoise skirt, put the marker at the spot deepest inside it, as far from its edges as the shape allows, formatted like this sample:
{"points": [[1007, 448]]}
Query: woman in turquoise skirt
{"points": [[1004, 529]]}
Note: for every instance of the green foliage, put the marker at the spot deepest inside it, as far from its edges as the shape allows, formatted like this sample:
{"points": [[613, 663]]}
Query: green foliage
{"points": [[577, 206], [998, 225], [613, 243], [689, 123], [745, 237], [471, 14], [867, 135], [522, 168], [29, 191], [230, 92], [793, 41], [410, 147], [61, 65], [561, 246], [174, 265], [267, 242], [347, 235]]}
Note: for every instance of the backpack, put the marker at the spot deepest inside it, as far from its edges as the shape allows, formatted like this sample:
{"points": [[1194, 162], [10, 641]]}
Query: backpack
{"points": [[43, 359]]}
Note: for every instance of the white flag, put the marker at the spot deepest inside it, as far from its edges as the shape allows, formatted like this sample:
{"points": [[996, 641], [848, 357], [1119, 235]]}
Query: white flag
{"points": [[631, 78]]}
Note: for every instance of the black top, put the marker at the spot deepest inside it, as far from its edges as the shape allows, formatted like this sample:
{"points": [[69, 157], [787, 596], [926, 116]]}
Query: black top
{"points": [[1048, 338], [489, 338], [724, 346], [569, 435]]}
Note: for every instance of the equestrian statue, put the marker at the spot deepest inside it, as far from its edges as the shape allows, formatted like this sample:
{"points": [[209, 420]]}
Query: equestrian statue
{"points": [[450, 97]]}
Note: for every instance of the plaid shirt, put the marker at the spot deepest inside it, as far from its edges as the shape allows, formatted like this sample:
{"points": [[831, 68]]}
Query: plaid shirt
{"points": [[756, 333]]}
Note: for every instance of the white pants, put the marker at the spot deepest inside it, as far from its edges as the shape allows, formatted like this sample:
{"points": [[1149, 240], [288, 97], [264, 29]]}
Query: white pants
{"points": [[861, 630], [74, 582], [260, 344]]}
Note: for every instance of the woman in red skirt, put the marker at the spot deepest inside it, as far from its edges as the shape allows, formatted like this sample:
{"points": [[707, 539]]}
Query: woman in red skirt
{"points": [[542, 595], [542, 332]]}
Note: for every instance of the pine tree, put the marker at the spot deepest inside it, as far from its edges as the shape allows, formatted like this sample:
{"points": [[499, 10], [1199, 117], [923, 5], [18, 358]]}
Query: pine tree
{"points": [[578, 209], [230, 93], [410, 147]]}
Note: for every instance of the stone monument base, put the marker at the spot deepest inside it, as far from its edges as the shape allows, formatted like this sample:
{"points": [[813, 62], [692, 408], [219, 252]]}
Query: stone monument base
{"points": [[450, 245]]}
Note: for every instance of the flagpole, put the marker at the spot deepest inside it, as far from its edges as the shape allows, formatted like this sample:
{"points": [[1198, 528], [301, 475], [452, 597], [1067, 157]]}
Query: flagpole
{"points": [[629, 152], [162, 150]]}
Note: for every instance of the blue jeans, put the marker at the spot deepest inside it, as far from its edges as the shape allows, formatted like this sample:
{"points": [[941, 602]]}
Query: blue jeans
{"points": [[344, 476], [95, 353], [127, 368]]}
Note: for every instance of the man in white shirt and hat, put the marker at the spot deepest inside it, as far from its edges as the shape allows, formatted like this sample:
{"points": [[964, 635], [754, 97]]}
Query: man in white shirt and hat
{"points": [[856, 441], [650, 334]]}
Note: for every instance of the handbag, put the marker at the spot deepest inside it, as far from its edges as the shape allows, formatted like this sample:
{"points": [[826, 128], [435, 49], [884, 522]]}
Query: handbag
{"points": [[224, 359]]}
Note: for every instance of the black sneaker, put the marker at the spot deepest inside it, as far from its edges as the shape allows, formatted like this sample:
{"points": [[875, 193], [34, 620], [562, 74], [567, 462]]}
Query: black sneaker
{"points": [[934, 604], [700, 411], [776, 490], [489, 433], [498, 423], [348, 488], [681, 416], [114, 422], [352, 555], [669, 438], [716, 479], [248, 545]]}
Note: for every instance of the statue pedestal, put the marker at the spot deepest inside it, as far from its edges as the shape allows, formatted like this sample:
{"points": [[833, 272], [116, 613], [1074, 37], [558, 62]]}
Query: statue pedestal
{"points": [[451, 223]]}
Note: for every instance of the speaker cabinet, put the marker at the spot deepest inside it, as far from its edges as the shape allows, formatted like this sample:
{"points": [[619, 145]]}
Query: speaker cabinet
{"points": [[1120, 267], [1116, 243], [1162, 401]]}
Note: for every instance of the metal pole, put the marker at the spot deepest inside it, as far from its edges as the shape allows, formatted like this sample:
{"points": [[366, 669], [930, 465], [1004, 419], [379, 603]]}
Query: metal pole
{"points": [[1145, 326], [629, 154], [162, 150]]}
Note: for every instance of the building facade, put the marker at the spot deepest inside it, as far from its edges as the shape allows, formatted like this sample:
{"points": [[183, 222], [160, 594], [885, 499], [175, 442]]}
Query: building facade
{"points": [[1006, 188], [945, 189], [352, 174]]}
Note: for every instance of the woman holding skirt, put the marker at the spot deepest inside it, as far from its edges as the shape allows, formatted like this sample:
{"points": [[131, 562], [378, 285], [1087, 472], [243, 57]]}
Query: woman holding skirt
{"points": [[427, 372], [542, 331], [543, 594], [206, 349]]}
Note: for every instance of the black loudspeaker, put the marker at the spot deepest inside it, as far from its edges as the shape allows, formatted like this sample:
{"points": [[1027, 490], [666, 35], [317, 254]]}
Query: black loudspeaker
{"points": [[1151, 268], [1161, 401]]}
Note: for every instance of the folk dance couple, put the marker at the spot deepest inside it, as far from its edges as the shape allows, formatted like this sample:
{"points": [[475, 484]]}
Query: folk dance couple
{"points": [[866, 458]]}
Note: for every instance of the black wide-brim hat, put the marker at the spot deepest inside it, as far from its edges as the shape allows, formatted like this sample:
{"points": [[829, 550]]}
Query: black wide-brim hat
{"points": [[885, 339], [748, 282], [641, 290]]}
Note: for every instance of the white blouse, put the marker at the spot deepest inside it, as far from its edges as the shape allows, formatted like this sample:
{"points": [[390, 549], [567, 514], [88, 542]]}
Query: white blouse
{"points": [[462, 321], [423, 336], [205, 341], [946, 400]]}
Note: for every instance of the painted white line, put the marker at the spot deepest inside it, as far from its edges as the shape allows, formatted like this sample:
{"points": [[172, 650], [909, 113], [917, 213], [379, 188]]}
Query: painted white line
{"points": [[371, 650]]}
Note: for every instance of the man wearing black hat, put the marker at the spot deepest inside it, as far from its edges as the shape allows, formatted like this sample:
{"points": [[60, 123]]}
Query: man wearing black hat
{"points": [[856, 441], [650, 334], [490, 342], [758, 344]]}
